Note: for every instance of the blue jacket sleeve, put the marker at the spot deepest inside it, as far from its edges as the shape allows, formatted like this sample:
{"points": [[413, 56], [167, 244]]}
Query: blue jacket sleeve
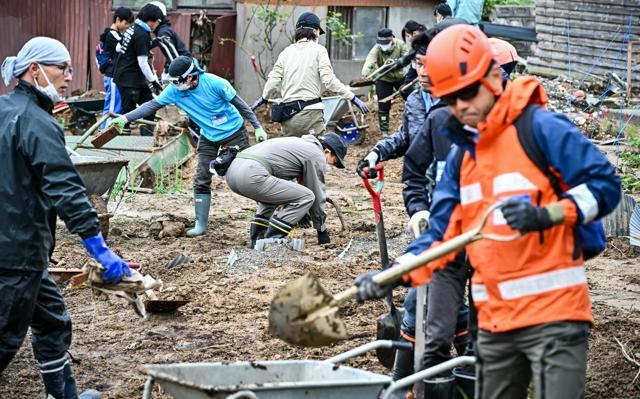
{"points": [[446, 198], [593, 184], [413, 119]]}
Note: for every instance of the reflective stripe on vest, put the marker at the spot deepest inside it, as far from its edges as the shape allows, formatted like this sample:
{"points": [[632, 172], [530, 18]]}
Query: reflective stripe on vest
{"points": [[479, 293], [541, 283]]}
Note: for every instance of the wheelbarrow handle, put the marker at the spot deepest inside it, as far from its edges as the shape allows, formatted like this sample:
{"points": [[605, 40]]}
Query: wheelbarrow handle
{"points": [[397, 271]]}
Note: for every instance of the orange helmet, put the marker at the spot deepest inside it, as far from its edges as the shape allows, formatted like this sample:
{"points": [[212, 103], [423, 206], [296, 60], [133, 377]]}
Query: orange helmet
{"points": [[503, 51], [457, 57]]}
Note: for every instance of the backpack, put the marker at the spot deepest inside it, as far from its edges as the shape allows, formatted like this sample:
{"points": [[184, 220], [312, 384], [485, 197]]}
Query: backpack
{"points": [[102, 58], [590, 237]]}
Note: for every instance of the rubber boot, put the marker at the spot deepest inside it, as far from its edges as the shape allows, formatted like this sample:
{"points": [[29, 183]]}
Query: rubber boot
{"points": [[440, 387], [202, 203], [259, 225], [59, 382], [383, 121], [277, 228], [403, 365]]}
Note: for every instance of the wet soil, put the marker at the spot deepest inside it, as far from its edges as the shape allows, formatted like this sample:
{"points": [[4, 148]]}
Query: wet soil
{"points": [[226, 318]]}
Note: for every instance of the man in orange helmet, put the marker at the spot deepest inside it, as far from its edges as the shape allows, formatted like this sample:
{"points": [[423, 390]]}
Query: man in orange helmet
{"points": [[531, 294]]}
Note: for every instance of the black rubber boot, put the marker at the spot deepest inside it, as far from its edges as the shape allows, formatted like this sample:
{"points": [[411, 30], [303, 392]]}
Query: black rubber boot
{"points": [[440, 387], [259, 225], [403, 365], [383, 121], [58, 379], [277, 228]]}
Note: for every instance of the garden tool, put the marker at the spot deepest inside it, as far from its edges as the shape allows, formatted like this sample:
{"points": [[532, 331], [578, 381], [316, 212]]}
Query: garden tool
{"points": [[370, 79], [399, 91], [303, 313], [388, 326]]}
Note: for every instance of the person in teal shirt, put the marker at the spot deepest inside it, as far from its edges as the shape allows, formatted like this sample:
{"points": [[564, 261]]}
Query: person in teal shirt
{"points": [[469, 10], [213, 104]]}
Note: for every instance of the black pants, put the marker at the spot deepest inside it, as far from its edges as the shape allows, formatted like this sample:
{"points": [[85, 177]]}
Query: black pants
{"points": [[32, 299], [132, 97], [208, 151], [384, 90]]}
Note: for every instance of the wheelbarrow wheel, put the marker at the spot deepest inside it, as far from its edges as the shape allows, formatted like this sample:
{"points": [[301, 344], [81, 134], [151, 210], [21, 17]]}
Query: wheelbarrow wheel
{"points": [[100, 204], [353, 137]]}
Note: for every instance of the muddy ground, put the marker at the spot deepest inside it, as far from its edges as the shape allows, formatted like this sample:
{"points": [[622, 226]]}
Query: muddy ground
{"points": [[226, 318]]}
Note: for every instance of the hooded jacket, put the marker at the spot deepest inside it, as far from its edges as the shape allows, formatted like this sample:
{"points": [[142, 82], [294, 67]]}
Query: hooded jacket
{"points": [[39, 182], [169, 42], [536, 278]]}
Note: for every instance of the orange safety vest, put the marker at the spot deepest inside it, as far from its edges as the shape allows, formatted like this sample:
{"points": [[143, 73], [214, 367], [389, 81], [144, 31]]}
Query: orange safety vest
{"points": [[534, 279]]}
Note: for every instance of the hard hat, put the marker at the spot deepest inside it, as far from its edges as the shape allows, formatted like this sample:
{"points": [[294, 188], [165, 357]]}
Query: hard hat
{"points": [[503, 51], [161, 6], [457, 57]]}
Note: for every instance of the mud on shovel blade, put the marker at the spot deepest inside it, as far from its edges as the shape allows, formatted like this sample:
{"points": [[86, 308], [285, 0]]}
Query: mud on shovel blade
{"points": [[303, 313]]}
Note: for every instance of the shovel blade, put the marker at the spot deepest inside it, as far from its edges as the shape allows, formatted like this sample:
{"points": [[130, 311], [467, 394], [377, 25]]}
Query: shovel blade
{"points": [[293, 303], [388, 328]]}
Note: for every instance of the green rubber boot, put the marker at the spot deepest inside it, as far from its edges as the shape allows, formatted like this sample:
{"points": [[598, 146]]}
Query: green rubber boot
{"points": [[202, 203], [383, 121]]}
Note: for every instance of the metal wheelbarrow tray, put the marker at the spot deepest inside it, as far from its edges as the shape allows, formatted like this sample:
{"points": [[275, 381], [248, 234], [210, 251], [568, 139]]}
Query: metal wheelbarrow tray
{"points": [[99, 174], [311, 379]]}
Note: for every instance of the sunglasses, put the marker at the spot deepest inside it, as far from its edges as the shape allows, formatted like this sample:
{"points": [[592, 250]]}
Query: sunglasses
{"points": [[464, 94]]}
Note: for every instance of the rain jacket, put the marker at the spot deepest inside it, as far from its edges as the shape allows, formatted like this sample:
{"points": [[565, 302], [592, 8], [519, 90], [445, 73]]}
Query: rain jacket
{"points": [[39, 182], [536, 278], [169, 42], [413, 117], [469, 10], [377, 58], [425, 160]]}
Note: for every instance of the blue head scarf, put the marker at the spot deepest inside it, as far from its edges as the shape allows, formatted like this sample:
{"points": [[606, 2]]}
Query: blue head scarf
{"points": [[40, 49]]}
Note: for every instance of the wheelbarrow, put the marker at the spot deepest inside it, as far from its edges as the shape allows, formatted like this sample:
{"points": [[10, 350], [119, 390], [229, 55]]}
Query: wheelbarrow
{"points": [[340, 116], [285, 379], [99, 175], [84, 112]]}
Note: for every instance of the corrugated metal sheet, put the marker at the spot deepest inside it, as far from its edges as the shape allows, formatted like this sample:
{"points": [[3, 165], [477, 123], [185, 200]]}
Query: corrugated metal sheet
{"points": [[355, 3], [78, 24], [223, 55], [594, 30]]}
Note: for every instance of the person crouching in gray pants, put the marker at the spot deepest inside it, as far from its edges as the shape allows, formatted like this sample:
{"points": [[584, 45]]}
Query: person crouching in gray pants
{"points": [[285, 176]]}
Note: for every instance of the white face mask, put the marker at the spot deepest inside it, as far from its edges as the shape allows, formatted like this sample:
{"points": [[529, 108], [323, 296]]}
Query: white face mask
{"points": [[49, 91], [184, 86], [386, 47]]}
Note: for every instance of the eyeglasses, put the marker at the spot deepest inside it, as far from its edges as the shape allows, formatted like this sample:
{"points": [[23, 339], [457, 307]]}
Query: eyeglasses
{"points": [[466, 93], [67, 70]]}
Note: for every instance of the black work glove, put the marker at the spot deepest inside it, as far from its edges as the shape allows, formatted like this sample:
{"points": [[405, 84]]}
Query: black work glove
{"points": [[305, 222], [155, 87], [369, 289], [323, 237], [524, 217]]}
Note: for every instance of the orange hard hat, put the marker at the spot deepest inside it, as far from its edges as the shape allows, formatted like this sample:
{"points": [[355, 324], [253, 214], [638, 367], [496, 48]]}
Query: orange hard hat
{"points": [[503, 51], [457, 57]]}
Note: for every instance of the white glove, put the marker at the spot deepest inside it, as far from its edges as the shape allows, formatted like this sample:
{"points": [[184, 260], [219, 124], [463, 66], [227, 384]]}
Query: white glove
{"points": [[372, 158], [419, 222]]}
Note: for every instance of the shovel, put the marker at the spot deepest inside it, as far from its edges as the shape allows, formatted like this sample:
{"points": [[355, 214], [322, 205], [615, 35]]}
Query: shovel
{"points": [[303, 313], [387, 326], [373, 76]]}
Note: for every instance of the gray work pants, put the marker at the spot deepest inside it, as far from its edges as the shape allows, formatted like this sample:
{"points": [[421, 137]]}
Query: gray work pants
{"points": [[307, 121], [554, 354], [208, 151], [250, 179], [445, 297]]}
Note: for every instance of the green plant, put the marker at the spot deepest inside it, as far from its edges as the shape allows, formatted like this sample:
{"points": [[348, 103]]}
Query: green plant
{"points": [[340, 32], [166, 184]]}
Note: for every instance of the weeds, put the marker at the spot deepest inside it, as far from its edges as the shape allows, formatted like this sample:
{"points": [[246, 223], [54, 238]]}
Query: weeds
{"points": [[169, 183]]}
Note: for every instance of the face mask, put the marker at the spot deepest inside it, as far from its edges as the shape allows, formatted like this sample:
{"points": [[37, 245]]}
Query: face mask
{"points": [[49, 91], [184, 86], [385, 47]]}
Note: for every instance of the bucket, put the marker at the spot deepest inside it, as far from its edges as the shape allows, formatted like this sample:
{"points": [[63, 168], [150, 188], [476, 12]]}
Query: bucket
{"points": [[465, 383], [439, 387]]}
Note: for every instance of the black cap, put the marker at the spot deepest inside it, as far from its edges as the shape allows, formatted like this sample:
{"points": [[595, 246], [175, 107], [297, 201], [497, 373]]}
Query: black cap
{"points": [[182, 67], [337, 146], [385, 35], [309, 20]]}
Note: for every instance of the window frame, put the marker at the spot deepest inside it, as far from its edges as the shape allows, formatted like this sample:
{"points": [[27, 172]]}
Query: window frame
{"points": [[336, 51]]}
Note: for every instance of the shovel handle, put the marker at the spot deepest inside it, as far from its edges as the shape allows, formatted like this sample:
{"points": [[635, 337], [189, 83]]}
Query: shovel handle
{"points": [[375, 193], [396, 272]]}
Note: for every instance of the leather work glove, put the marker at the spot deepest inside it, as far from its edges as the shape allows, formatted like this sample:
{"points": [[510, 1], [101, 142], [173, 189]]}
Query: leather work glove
{"points": [[419, 222], [525, 217], [360, 104], [370, 162], [115, 267], [261, 135], [118, 122], [323, 237], [155, 87], [369, 289], [260, 101]]}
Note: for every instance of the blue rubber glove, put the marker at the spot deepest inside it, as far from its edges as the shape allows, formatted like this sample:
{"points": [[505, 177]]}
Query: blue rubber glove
{"points": [[115, 267], [257, 103], [360, 104]]}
